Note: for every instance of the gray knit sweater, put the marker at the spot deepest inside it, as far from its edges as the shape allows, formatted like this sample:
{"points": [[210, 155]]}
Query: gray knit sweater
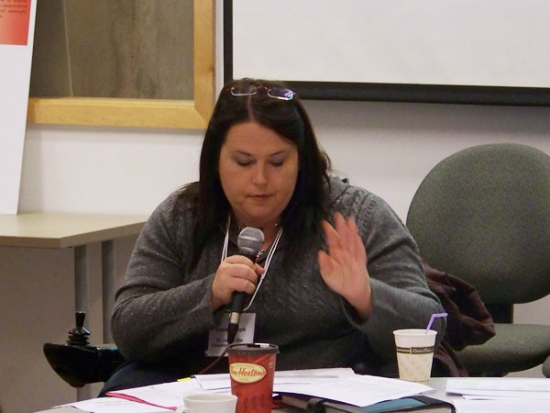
{"points": [[162, 313]]}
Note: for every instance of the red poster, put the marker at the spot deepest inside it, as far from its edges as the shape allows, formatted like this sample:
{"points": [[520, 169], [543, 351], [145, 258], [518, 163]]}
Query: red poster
{"points": [[14, 21]]}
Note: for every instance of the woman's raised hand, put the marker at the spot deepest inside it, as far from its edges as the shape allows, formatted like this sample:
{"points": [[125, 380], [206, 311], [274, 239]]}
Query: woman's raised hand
{"points": [[344, 265]]}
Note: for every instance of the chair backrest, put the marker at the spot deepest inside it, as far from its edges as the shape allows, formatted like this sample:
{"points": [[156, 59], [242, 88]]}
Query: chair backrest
{"points": [[483, 215]]}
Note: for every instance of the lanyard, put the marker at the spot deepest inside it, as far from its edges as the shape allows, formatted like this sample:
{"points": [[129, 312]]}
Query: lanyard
{"points": [[267, 260]]}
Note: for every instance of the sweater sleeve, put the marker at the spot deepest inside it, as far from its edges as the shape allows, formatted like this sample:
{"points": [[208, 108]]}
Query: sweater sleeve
{"points": [[400, 293], [160, 307]]}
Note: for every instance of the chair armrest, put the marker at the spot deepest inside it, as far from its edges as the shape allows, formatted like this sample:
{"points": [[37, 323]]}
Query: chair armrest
{"points": [[81, 365]]}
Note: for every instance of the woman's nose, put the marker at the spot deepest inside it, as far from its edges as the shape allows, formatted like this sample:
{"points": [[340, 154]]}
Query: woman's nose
{"points": [[260, 174]]}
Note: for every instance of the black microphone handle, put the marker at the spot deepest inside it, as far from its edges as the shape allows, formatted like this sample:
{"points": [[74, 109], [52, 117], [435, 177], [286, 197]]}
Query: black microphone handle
{"points": [[237, 301], [251, 256], [237, 306]]}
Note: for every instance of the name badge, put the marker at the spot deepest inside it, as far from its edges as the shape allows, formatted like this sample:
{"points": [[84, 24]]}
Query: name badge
{"points": [[217, 337]]}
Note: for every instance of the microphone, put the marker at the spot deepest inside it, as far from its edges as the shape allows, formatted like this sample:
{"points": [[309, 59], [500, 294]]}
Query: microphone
{"points": [[250, 243]]}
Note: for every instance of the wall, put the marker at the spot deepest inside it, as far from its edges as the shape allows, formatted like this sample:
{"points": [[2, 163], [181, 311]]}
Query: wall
{"points": [[386, 147]]}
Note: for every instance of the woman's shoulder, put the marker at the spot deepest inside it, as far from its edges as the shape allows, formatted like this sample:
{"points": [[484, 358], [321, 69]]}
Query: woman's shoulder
{"points": [[341, 190], [180, 204], [349, 199]]}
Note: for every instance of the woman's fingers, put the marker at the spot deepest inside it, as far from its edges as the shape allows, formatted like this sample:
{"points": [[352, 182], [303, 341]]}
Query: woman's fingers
{"points": [[344, 265], [235, 273]]}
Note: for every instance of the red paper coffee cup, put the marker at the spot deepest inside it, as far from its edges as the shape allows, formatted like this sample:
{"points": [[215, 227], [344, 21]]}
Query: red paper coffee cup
{"points": [[252, 370]]}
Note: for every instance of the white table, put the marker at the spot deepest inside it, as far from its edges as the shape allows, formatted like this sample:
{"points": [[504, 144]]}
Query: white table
{"points": [[439, 384]]}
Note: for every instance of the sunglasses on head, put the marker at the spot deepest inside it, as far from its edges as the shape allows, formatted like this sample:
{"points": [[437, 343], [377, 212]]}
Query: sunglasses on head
{"points": [[273, 92]]}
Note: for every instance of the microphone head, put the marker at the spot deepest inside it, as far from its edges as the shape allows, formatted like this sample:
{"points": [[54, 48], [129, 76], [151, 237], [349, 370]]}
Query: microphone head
{"points": [[250, 241]]}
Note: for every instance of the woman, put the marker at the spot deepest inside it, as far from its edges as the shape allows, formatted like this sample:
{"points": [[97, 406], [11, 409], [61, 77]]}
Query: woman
{"points": [[339, 270]]}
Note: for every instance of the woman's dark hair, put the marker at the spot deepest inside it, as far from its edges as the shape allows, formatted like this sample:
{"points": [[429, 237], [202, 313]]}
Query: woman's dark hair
{"points": [[260, 101]]}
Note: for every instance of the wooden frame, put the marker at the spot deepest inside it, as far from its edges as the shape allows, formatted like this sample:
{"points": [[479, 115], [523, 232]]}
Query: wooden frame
{"points": [[145, 112]]}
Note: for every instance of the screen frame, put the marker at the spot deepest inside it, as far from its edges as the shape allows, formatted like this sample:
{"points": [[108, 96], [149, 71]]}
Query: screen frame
{"points": [[394, 92]]}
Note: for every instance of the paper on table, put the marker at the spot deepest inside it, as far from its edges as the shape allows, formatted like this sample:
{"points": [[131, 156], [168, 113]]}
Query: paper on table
{"points": [[496, 394], [357, 389], [334, 372], [500, 387], [336, 384], [213, 381], [312, 375], [114, 405], [166, 395], [223, 381], [503, 406]]}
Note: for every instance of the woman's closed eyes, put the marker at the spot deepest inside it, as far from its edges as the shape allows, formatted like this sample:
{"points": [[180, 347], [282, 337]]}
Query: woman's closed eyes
{"points": [[276, 160]]}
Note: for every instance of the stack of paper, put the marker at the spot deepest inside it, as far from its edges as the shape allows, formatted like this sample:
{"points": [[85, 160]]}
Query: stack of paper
{"points": [[353, 388], [502, 395], [339, 384]]}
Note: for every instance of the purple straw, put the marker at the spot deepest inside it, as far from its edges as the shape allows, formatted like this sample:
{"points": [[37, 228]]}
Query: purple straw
{"points": [[433, 317]]}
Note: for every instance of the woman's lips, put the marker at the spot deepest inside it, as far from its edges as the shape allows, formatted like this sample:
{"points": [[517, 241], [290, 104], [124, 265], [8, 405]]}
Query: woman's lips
{"points": [[260, 196]]}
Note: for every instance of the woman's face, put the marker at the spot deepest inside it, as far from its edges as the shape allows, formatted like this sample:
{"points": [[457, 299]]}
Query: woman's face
{"points": [[258, 172]]}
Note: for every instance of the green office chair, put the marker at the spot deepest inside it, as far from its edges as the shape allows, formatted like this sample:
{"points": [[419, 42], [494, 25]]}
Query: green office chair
{"points": [[483, 215]]}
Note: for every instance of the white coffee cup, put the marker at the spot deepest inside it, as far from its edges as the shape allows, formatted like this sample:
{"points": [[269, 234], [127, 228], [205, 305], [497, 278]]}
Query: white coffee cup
{"points": [[415, 351], [209, 403]]}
